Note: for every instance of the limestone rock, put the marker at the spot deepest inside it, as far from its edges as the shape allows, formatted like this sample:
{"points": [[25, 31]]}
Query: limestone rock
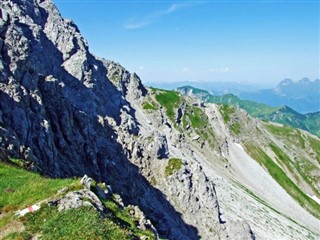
{"points": [[86, 181], [69, 113], [158, 148], [78, 199]]}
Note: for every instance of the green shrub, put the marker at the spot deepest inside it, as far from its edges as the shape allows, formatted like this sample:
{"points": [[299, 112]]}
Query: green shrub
{"points": [[235, 128], [174, 165], [226, 111], [169, 100], [149, 106]]}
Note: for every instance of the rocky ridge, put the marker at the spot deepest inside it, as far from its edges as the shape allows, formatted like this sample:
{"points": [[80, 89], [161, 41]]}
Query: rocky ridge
{"points": [[64, 117], [67, 113]]}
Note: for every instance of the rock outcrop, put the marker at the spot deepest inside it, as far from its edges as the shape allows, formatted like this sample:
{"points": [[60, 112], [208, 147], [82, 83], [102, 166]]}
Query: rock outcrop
{"points": [[65, 112], [77, 199], [61, 112]]}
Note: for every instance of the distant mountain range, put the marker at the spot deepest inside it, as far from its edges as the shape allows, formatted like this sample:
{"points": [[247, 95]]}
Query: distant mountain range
{"points": [[157, 165], [284, 114], [215, 88], [302, 96]]}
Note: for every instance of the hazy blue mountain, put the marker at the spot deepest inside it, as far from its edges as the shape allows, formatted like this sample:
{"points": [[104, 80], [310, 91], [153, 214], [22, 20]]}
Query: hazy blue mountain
{"points": [[302, 95], [216, 88]]}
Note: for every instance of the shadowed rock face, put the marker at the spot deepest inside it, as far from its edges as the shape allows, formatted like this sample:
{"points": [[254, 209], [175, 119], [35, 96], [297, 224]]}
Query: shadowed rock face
{"points": [[60, 112], [53, 92]]}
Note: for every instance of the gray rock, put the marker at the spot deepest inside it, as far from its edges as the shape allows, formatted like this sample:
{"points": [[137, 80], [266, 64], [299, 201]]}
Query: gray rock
{"points": [[118, 199], [78, 199], [71, 114], [86, 181], [144, 223], [237, 230], [158, 148]]}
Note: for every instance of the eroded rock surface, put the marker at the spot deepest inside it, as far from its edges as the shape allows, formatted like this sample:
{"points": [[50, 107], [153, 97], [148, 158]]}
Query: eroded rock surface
{"points": [[65, 112]]}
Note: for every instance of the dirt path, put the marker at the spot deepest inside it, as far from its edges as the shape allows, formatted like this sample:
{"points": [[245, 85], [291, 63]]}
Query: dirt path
{"points": [[12, 227]]}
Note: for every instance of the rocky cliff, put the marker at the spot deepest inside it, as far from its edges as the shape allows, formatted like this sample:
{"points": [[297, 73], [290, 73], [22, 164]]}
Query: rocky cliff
{"points": [[65, 112], [62, 114]]}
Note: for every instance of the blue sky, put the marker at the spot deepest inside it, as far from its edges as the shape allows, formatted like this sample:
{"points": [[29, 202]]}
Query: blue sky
{"points": [[256, 42]]}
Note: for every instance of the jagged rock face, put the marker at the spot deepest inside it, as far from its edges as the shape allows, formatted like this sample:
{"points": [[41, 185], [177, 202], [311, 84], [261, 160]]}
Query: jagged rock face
{"points": [[60, 111], [49, 93], [58, 108], [65, 113]]}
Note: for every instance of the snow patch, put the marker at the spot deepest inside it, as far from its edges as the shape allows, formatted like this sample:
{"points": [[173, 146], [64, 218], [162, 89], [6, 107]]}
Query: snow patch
{"points": [[314, 197], [239, 146]]}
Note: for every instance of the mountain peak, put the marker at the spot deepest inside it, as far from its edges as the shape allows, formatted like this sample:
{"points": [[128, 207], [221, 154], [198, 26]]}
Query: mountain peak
{"points": [[285, 82], [66, 113]]}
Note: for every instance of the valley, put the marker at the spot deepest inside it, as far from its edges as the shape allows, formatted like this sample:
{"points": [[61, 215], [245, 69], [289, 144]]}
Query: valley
{"points": [[169, 165]]}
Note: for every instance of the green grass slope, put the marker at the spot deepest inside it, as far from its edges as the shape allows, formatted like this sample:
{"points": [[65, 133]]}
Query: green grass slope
{"points": [[284, 181], [20, 189], [193, 122], [285, 115]]}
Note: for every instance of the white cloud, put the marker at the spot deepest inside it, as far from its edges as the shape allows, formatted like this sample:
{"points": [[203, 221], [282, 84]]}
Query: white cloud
{"points": [[219, 70], [141, 67], [136, 25], [224, 70], [185, 69], [156, 16]]}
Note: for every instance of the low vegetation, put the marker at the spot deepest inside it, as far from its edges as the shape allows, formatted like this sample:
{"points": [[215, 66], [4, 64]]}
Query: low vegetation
{"points": [[314, 144], [149, 106], [198, 120], [304, 167], [81, 223], [296, 137], [285, 182], [284, 131], [285, 115], [170, 100], [283, 158], [226, 111], [196, 117], [235, 128], [115, 76], [174, 164], [20, 188]]}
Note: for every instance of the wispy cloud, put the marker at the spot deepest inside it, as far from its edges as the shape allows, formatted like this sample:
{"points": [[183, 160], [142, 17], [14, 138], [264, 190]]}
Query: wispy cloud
{"points": [[156, 16], [219, 70]]}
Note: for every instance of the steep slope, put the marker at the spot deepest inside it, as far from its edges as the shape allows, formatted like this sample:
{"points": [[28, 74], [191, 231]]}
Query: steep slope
{"points": [[285, 115], [212, 135], [64, 116], [70, 210], [66, 113]]}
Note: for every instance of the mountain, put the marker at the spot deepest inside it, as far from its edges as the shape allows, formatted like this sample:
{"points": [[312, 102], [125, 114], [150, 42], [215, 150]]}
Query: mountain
{"points": [[217, 88], [285, 115], [302, 95], [193, 170]]}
